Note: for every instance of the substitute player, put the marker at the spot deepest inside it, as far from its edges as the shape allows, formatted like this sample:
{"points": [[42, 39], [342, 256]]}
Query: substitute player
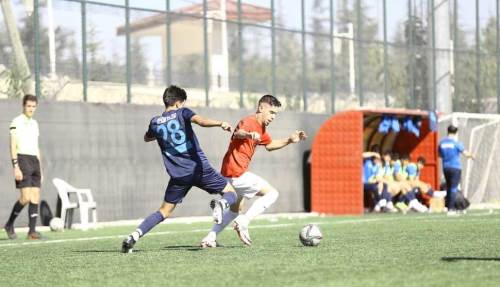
{"points": [[184, 161], [25, 155], [250, 133], [414, 170], [449, 150]]}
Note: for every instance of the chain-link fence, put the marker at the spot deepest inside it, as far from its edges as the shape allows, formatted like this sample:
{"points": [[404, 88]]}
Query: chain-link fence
{"points": [[315, 55]]}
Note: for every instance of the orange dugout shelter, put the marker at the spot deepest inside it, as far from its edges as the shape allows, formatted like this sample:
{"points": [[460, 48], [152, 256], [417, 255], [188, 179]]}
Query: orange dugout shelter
{"points": [[336, 155]]}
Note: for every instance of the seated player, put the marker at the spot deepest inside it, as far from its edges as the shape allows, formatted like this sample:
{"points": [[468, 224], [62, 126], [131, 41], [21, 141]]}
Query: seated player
{"points": [[250, 133], [402, 176], [380, 176], [184, 161], [397, 189], [413, 170], [372, 185]]}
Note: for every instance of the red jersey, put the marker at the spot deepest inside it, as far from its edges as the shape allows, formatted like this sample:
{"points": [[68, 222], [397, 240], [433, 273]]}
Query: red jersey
{"points": [[240, 151]]}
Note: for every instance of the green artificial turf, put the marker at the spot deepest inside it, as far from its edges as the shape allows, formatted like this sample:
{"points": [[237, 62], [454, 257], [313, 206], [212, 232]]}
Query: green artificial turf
{"points": [[370, 250]]}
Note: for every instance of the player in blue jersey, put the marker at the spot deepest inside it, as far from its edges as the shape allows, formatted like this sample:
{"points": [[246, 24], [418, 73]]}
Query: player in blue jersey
{"points": [[372, 185], [449, 150], [409, 175], [184, 161]]}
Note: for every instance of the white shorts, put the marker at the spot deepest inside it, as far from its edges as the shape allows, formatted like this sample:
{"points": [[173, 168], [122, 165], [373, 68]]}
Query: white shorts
{"points": [[248, 184]]}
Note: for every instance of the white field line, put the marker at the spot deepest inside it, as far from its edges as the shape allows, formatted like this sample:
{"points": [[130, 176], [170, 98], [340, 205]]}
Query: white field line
{"points": [[123, 236], [429, 217]]}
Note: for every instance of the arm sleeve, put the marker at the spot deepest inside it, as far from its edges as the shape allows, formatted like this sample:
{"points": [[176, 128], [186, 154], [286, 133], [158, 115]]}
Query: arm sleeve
{"points": [[150, 133], [265, 139], [460, 147], [13, 127], [187, 114]]}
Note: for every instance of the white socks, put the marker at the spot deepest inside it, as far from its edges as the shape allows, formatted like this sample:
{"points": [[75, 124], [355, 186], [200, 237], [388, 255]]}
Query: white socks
{"points": [[136, 234], [227, 217], [258, 207], [261, 204]]}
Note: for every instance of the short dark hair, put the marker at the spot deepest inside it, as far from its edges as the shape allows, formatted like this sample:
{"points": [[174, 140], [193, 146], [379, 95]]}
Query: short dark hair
{"points": [[387, 153], [421, 159], [173, 94], [405, 157], [271, 100], [452, 129], [29, 98], [395, 156], [375, 148]]}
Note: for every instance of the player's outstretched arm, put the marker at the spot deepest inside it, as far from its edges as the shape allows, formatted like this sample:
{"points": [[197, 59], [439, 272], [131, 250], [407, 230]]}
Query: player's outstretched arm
{"points": [[242, 134], [368, 154], [206, 123], [281, 143]]}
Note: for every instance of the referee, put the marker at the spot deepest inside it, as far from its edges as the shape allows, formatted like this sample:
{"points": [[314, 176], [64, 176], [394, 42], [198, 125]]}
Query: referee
{"points": [[25, 156]]}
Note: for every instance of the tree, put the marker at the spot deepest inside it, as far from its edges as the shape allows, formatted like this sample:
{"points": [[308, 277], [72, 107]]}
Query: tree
{"points": [[464, 78], [100, 69], [416, 35], [67, 55], [139, 63], [488, 66], [372, 66], [319, 67], [288, 69]]}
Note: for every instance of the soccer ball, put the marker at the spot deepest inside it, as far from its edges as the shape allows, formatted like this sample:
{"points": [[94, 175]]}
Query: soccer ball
{"points": [[56, 224], [310, 235]]}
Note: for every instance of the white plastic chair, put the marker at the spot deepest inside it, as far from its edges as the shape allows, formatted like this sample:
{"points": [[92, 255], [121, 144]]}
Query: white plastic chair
{"points": [[66, 205], [85, 202]]}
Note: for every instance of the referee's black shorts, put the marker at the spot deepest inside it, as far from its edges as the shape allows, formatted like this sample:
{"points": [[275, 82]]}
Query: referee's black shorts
{"points": [[30, 166]]}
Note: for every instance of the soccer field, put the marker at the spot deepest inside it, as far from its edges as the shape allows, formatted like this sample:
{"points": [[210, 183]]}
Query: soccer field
{"points": [[372, 250]]}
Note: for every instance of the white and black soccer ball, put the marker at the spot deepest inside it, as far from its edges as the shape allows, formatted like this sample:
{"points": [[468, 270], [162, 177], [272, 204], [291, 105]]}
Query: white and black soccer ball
{"points": [[310, 235], [56, 224]]}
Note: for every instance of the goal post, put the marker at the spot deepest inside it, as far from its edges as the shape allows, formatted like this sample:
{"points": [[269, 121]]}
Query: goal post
{"points": [[480, 134]]}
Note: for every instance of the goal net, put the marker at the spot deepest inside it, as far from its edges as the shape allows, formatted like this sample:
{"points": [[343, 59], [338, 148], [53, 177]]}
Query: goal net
{"points": [[480, 134]]}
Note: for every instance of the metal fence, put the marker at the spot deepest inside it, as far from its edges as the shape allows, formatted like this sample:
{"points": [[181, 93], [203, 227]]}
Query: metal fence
{"points": [[316, 55]]}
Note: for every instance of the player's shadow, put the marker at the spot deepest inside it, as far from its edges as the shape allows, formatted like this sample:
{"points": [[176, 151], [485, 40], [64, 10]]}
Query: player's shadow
{"points": [[469, 258], [183, 247], [193, 248], [104, 251]]}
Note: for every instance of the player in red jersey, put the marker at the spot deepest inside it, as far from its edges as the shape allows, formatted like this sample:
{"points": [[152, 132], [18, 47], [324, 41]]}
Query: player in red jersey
{"points": [[250, 132]]}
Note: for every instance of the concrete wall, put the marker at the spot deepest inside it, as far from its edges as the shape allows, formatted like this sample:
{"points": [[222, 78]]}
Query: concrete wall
{"points": [[100, 147]]}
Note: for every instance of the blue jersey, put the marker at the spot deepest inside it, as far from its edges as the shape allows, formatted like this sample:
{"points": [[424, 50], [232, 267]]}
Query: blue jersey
{"points": [[179, 146], [368, 170], [412, 171], [397, 167], [449, 150]]}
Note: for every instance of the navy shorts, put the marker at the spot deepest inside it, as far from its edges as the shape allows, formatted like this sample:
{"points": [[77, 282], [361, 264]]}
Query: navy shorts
{"points": [[30, 167], [370, 187], [207, 179]]}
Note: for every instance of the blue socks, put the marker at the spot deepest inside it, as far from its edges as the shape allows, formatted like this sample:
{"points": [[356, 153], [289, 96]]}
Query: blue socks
{"points": [[230, 197], [150, 222]]}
